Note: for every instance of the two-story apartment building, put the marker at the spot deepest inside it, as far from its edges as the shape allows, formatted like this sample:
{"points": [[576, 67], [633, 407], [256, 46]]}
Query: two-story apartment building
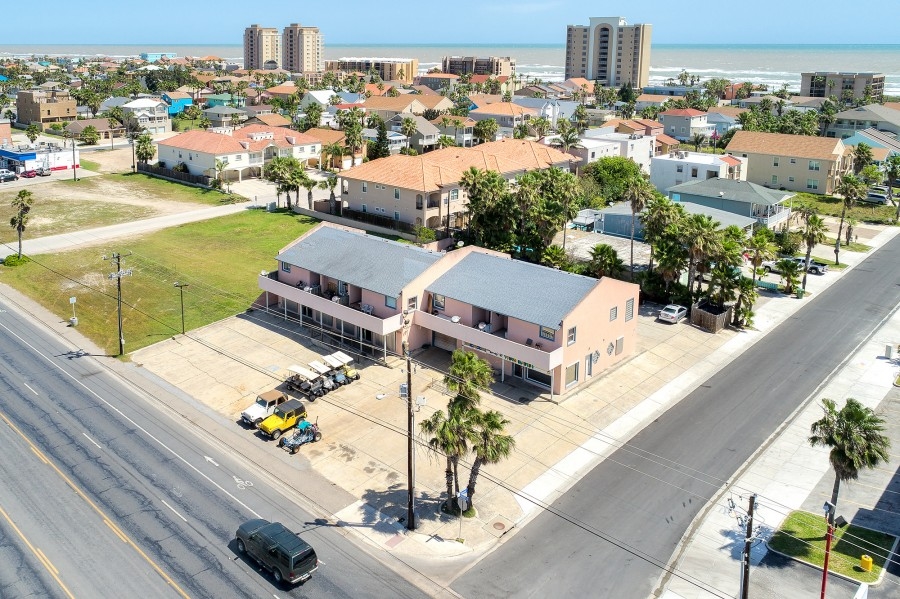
{"points": [[676, 168], [177, 101], [792, 162], [244, 151], [508, 116], [553, 329], [684, 123], [639, 148], [43, 107], [151, 114], [875, 116], [425, 190], [769, 207]]}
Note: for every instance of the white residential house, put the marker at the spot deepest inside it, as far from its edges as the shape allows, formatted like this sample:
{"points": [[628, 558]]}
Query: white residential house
{"points": [[396, 140], [591, 150], [675, 168], [151, 113], [639, 148], [245, 150]]}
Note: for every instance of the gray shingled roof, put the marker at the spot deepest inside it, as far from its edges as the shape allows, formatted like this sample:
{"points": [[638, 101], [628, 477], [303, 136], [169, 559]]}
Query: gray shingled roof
{"points": [[724, 218], [529, 292], [369, 262], [736, 191], [870, 112]]}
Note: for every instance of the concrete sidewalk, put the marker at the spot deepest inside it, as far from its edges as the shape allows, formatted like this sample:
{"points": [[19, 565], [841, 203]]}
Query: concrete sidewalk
{"points": [[88, 237]]}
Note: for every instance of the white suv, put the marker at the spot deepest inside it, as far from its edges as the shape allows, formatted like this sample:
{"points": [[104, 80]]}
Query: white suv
{"points": [[264, 406]]}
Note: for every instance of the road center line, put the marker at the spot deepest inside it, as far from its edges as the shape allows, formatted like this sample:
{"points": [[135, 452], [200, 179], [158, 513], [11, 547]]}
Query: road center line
{"points": [[173, 509], [130, 421], [39, 555], [30, 389], [91, 440]]}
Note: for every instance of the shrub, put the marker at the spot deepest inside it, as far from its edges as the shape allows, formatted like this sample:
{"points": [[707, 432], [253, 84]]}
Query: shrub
{"points": [[14, 260]]}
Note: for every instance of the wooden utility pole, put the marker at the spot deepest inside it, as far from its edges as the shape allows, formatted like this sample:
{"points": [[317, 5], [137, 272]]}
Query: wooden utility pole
{"points": [[118, 277], [748, 542]]}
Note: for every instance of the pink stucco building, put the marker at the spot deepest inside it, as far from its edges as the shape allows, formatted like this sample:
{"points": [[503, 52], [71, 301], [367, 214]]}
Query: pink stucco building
{"points": [[551, 328]]}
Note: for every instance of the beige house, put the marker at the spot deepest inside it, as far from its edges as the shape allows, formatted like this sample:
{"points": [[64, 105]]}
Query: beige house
{"points": [[425, 190], [609, 51], [550, 328], [792, 162], [508, 116], [41, 107], [460, 129]]}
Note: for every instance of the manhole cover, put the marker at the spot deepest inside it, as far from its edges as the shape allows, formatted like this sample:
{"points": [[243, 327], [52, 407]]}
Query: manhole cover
{"points": [[499, 525]]}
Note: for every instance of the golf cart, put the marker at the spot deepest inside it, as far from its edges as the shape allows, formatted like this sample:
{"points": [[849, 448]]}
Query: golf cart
{"points": [[324, 372], [346, 368], [303, 380]]}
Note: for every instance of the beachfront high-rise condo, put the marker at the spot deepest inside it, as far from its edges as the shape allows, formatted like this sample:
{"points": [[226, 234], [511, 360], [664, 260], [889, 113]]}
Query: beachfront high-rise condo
{"points": [[302, 49], [389, 69], [822, 84], [262, 48], [498, 66], [610, 51]]}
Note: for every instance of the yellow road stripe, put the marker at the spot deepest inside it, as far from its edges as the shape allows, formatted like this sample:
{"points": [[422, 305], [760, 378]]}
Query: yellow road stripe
{"points": [[47, 561], [97, 509], [116, 530], [38, 554], [40, 455]]}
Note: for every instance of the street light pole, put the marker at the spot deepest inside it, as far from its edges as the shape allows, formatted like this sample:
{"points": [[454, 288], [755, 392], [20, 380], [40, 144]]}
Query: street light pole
{"points": [[181, 287], [829, 519], [133, 163]]}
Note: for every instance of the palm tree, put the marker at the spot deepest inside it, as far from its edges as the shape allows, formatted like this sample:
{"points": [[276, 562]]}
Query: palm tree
{"points": [[761, 248], [852, 189], [892, 174], [660, 215], [854, 434], [448, 437], [699, 234], [555, 256], [605, 262], [697, 140], [862, 157], [790, 273], [490, 443], [408, 127], [567, 136], [220, 167], [743, 306], [540, 125], [467, 375], [21, 204], [445, 141], [330, 183], [672, 260], [638, 193], [308, 183], [332, 150], [814, 230]]}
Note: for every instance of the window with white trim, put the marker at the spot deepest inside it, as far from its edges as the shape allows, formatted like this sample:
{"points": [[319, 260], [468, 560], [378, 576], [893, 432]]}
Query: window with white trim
{"points": [[547, 333], [571, 336], [438, 301], [285, 267], [572, 374], [390, 302]]}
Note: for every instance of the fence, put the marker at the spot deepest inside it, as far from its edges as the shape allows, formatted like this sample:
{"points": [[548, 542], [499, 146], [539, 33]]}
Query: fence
{"points": [[709, 317], [167, 173]]}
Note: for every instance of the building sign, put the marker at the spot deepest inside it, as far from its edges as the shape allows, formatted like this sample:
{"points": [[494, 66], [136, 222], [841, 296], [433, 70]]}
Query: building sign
{"points": [[493, 353]]}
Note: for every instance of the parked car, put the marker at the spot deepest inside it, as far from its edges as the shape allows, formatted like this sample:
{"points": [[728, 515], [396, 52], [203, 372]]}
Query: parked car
{"points": [[43, 171], [672, 313], [815, 267], [6, 175], [29, 174], [283, 418], [274, 547], [264, 405], [876, 197]]}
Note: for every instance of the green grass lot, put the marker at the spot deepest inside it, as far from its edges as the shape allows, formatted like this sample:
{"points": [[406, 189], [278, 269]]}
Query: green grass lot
{"points": [[54, 210], [803, 536], [89, 165], [853, 247], [831, 206], [220, 260]]}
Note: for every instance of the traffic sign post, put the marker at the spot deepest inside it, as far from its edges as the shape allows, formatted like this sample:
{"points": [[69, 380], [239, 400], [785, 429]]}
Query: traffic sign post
{"points": [[462, 500], [74, 320]]}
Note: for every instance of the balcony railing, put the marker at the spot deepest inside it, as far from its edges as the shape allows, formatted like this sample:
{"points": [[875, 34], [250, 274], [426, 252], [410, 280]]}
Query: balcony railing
{"points": [[325, 305], [490, 343]]}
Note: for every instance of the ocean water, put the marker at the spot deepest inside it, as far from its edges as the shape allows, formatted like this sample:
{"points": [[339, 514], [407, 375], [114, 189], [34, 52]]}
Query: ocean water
{"points": [[770, 64]]}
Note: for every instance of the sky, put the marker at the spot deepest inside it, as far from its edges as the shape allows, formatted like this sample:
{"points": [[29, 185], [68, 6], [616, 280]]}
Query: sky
{"points": [[455, 22]]}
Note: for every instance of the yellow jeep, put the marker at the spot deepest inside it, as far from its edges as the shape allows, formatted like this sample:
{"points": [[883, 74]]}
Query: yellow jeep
{"points": [[285, 417]]}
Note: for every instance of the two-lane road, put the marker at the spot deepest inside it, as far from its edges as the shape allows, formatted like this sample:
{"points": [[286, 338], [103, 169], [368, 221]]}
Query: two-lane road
{"points": [[104, 492], [647, 502]]}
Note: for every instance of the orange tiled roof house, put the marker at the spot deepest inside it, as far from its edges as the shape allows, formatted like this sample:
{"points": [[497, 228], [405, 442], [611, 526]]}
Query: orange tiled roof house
{"points": [[246, 150]]}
